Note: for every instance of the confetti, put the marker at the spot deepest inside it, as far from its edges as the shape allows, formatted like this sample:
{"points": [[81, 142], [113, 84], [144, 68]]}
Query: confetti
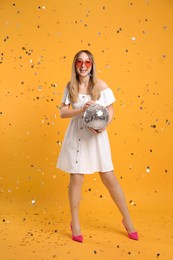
{"points": [[132, 202], [153, 126], [33, 202], [167, 122], [148, 169]]}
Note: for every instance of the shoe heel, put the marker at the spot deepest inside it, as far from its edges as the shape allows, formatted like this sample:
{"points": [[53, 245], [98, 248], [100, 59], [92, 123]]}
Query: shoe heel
{"points": [[132, 235], [78, 238]]}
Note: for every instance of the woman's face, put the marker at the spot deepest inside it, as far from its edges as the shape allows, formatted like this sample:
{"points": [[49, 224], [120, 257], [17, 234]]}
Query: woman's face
{"points": [[83, 65]]}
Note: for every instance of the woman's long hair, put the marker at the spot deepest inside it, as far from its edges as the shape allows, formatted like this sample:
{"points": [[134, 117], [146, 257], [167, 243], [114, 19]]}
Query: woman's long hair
{"points": [[73, 85]]}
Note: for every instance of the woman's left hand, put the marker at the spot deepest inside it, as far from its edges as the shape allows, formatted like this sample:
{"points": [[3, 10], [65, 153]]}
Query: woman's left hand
{"points": [[96, 131], [101, 130]]}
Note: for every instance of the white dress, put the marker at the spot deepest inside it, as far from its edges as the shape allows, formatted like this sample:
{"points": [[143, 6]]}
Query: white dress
{"points": [[82, 151]]}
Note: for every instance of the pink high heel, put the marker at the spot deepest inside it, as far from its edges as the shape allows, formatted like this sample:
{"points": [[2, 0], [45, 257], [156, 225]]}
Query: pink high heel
{"points": [[78, 238], [132, 235]]}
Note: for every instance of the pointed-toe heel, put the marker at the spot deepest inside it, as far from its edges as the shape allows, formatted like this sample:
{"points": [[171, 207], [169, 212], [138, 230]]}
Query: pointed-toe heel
{"points": [[132, 235], [78, 238]]}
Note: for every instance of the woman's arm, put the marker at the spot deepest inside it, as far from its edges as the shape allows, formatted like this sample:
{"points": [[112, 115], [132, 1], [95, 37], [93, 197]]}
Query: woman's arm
{"points": [[110, 108], [67, 112]]}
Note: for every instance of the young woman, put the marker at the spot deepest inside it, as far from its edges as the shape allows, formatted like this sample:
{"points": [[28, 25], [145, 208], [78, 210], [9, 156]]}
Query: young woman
{"points": [[85, 150]]}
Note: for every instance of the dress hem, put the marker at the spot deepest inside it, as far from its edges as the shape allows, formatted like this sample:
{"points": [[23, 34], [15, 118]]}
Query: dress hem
{"points": [[92, 172]]}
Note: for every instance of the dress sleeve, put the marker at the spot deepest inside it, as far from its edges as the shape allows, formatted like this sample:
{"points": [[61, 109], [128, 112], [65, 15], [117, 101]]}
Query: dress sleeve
{"points": [[107, 97], [65, 98]]}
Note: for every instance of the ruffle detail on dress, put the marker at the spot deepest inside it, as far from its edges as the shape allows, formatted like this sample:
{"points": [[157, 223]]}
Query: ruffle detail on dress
{"points": [[107, 97], [65, 98]]}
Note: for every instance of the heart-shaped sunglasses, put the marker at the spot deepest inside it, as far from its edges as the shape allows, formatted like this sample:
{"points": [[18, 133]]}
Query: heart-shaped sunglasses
{"points": [[79, 63]]}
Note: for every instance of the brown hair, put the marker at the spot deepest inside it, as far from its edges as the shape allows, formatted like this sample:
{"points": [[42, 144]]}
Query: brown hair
{"points": [[73, 85]]}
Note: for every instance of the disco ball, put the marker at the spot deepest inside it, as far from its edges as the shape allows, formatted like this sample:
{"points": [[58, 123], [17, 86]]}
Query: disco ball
{"points": [[96, 116]]}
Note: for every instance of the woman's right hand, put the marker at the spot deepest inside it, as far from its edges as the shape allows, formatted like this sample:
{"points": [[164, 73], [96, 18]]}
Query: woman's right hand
{"points": [[88, 104]]}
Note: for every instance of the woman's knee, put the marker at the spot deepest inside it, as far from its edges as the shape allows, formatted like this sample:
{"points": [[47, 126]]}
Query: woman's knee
{"points": [[108, 178], [76, 179]]}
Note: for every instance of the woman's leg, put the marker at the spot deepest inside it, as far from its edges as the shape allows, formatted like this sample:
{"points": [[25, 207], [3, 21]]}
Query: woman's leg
{"points": [[74, 192], [115, 190]]}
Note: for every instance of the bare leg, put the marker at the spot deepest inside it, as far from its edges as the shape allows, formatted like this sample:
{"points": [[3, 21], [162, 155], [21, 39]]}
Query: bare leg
{"points": [[115, 190], [74, 192]]}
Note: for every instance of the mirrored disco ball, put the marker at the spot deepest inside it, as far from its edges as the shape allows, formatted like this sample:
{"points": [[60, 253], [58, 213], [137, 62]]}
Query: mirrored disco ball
{"points": [[96, 116]]}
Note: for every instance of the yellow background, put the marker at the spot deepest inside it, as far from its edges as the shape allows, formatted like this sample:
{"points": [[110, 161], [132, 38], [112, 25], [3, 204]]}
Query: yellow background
{"points": [[132, 44]]}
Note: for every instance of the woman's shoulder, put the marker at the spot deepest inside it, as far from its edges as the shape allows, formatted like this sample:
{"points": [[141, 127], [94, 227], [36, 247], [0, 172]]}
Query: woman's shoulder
{"points": [[101, 85], [67, 85]]}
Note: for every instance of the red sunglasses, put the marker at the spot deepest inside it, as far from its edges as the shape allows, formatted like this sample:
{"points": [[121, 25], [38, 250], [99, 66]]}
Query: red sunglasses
{"points": [[79, 63]]}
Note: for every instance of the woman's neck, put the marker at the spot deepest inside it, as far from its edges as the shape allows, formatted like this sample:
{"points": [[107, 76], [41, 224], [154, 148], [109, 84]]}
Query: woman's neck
{"points": [[83, 85], [84, 81]]}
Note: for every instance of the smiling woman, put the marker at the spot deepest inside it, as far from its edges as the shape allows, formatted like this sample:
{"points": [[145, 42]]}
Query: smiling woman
{"points": [[86, 150], [83, 65], [83, 76]]}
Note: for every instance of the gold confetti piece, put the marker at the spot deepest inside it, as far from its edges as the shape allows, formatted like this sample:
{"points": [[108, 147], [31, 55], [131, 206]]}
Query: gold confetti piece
{"points": [[148, 169], [167, 122], [33, 202], [54, 85], [132, 202]]}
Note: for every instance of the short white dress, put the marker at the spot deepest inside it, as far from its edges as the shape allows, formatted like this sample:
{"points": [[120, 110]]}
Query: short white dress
{"points": [[82, 151]]}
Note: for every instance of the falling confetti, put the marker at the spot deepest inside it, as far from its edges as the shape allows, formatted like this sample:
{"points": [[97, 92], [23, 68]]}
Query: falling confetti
{"points": [[148, 169], [33, 202], [132, 202], [167, 122]]}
